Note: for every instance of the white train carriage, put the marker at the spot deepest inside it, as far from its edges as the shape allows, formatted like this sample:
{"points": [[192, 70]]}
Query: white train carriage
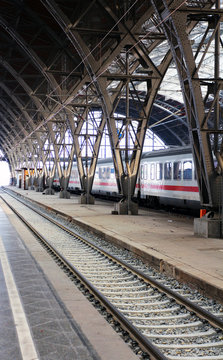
{"points": [[74, 183], [165, 177], [168, 177], [105, 180]]}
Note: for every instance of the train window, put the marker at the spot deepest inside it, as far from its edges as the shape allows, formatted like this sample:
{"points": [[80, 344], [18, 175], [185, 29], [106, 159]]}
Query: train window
{"points": [[168, 171], [145, 171], [108, 173], [177, 170], [104, 173], [187, 170], [152, 171], [159, 171], [141, 172]]}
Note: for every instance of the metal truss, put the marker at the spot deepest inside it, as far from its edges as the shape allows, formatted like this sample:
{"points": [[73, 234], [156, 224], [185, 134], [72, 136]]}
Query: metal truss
{"points": [[132, 131], [201, 94], [96, 57]]}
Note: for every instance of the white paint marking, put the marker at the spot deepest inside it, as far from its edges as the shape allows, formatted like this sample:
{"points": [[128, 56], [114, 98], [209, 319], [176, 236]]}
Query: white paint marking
{"points": [[26, 344]]}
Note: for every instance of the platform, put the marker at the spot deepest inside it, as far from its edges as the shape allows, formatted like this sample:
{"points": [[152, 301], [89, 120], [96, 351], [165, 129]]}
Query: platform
{"points": [[165, 240], [42, 314]]}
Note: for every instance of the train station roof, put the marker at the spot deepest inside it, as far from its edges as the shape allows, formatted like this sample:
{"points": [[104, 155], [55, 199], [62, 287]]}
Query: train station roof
{"points": [[50, 51]]}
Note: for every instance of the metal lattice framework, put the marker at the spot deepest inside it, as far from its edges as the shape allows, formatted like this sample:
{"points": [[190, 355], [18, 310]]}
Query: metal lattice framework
{"points": [[61, 61]]}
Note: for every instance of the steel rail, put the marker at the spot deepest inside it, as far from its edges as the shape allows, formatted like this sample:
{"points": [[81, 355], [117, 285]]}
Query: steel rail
{"points": [[200, 312], [142, 341]]}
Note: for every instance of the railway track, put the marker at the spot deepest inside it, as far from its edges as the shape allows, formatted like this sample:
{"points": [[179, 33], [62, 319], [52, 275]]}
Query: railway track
{"points": [[165, 324]]}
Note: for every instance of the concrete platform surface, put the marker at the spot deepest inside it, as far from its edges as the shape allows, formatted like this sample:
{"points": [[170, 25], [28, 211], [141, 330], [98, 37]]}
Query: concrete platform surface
{"points": [[43, 315], [165, 240]]}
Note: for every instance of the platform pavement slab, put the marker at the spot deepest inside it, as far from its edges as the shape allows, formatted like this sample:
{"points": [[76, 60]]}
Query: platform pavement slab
{"points": [[164, 239]]}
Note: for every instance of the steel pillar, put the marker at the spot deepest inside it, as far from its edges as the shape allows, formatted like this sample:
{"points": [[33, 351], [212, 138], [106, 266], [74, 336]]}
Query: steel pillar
{"points": [[40, 184], [201, 95], [174, 19]]}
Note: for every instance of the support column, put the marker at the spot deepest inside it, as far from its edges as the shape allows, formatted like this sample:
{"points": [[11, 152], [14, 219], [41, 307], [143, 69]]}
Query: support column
{"points": [[40, 184], [209, 226], [31, 183], [124, 207], [87, 197], [49, 183], [64, 194], [201, 97]]}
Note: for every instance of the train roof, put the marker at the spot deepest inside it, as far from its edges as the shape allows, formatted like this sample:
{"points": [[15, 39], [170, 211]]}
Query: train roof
{"points": [[150, 154], [168, 152], [158, 153]]}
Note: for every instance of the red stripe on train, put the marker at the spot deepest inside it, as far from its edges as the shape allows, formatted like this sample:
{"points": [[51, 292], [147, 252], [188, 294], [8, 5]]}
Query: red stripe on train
{"points": [[105, 184], [154, 187], [160, 187], [174, 188]]}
